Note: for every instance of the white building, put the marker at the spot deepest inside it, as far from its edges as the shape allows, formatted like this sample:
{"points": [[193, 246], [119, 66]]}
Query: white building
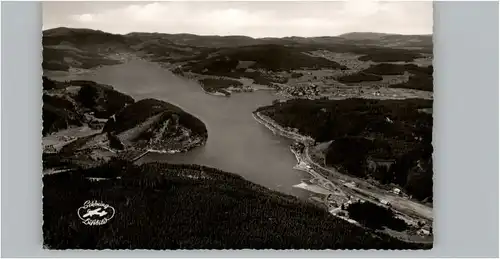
{"points": [[423, 232]]}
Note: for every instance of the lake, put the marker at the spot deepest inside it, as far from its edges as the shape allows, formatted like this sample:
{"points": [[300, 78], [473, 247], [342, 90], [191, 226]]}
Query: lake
{"points": [[236, 142]]}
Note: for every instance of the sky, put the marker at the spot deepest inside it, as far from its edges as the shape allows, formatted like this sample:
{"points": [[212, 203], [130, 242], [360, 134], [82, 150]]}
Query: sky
{"points": [[253, 18]]}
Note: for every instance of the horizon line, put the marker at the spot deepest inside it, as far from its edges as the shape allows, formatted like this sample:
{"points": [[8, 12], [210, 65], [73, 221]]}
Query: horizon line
{"points": [[234, 35]]}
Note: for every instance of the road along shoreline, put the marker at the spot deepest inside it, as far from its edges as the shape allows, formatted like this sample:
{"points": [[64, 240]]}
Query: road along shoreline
{"points": [[410, 210]]}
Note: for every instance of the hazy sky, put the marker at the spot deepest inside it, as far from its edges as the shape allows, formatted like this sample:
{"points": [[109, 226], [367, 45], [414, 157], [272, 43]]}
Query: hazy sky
{"points": [[255, 19]]}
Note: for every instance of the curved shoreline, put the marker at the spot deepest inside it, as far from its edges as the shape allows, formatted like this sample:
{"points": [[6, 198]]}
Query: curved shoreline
{"points": [[304, 158], [278, 129], [170, 151], [343, 189], [304, 162]]}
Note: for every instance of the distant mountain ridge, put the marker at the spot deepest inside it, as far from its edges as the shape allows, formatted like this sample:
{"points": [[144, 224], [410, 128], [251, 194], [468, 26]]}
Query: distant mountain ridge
{"points": [[74, 48], [241, 40], [352, 35], [363, 35]]}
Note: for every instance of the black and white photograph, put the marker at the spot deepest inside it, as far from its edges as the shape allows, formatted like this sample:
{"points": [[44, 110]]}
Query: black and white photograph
{"points": [[237, 125]]}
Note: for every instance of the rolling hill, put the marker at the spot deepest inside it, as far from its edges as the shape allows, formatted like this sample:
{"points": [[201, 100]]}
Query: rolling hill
{"points": [[84, 48]]}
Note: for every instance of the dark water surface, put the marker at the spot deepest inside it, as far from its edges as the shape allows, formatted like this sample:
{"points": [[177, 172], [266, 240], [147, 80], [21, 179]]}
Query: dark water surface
{"points": [[236, 142]]}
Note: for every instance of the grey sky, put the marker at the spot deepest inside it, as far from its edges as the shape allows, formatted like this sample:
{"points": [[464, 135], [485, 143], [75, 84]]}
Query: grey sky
{"points": [[256, 19]]}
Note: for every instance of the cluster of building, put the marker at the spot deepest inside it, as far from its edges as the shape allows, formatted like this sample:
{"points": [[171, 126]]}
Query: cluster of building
{"points": [[299, 90], [49, 149], [241, 89]]}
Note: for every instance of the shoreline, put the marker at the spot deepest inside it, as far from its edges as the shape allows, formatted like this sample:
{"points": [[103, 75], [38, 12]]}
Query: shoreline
{"points": [[230, 90], [279, 130], [305, 140], [304, 163], [170, 151]]}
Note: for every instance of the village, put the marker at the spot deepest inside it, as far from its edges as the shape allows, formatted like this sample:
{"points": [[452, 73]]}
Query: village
{"points": [[315, 83]]}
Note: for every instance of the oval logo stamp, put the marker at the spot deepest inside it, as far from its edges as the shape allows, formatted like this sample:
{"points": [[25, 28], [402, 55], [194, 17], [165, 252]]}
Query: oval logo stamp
{"points": [[95, 213]]}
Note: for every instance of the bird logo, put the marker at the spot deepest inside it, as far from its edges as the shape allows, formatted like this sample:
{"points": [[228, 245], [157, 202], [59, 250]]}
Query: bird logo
{"points": [[95, 213]]}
